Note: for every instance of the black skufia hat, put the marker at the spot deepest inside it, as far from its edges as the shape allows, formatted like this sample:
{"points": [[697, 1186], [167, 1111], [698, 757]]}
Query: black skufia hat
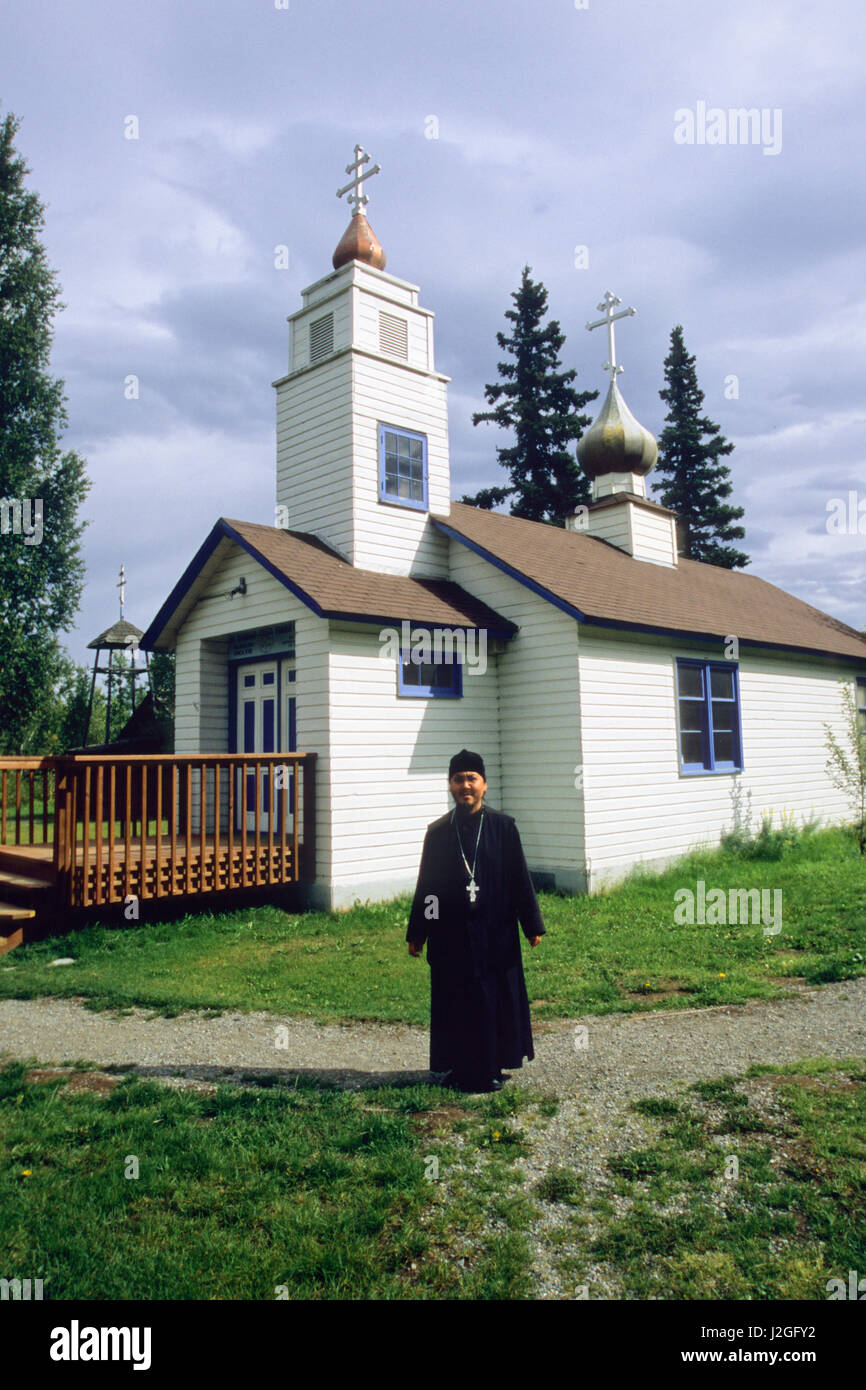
{"points": [[464, 761]]}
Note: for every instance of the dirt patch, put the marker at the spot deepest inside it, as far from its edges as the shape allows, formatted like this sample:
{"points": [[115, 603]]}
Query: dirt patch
{"points": [[45, 1074], [438, 1121], [95, 1083], [665, 989], [833, 1081]]}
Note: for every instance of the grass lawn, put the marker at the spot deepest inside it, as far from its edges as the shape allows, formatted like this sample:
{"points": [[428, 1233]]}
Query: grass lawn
{"points": [[621, 950], [113, 1188]]}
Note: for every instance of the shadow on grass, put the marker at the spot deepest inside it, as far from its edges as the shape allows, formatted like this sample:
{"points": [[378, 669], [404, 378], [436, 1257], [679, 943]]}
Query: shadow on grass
{"points": [[292, 1078]]}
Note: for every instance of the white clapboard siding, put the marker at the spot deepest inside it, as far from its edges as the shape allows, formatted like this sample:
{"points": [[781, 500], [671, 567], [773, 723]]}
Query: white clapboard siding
{"points": [[389, 762], [539, 720], [202, 675], [314, 451], [639, 807], [334, 316], [367, 310], [653, 536], [611, 524], [328, 418], [398, 539]]}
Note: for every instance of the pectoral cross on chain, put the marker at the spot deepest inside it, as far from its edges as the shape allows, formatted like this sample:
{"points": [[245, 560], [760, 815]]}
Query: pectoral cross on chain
{"points": [[607, 306], [472, 890]]}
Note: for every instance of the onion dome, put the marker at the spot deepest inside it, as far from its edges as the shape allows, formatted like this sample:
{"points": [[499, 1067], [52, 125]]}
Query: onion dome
{"points": [[616, 442], [359, 243]]}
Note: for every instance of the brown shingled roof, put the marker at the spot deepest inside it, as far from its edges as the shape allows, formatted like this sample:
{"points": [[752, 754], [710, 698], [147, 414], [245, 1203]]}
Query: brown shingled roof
{"points": [[605, 584], [338, 589]]}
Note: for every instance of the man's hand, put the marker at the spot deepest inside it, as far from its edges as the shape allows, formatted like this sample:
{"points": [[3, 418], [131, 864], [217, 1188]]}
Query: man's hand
{"points": [[534, 940], [415, 948]]}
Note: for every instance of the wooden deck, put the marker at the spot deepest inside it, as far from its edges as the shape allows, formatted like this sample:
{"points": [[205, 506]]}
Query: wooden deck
{"points": [[81, 833]]}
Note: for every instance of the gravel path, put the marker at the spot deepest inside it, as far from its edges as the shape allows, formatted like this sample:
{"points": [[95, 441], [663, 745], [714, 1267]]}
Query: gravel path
{"points": [[596, 1066], [612, 1055]]}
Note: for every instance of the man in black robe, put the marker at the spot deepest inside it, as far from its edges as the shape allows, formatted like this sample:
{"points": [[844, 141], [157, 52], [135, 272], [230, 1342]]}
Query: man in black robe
{"points": [[473, 890]]}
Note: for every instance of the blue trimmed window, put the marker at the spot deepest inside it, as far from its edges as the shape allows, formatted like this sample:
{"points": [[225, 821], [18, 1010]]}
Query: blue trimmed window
{"points": [[439, 680], [402, 467], [861, 703], [708, 708]]}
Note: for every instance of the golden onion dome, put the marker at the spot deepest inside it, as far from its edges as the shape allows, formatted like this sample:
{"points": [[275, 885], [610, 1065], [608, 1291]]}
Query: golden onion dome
{"points": [[616, 442]]}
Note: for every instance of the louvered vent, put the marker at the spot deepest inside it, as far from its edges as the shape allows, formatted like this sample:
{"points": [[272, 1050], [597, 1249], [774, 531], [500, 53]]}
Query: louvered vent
{"points": [[321, 337], [393, 335]]}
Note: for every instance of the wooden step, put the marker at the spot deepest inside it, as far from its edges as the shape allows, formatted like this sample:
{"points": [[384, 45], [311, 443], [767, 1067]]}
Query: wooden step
{"points": [[12, 912], [14, 922], [35, 861], [23, 890]]}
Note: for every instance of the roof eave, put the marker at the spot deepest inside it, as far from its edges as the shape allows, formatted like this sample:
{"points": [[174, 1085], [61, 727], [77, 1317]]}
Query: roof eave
{"points": [[625, 625]]}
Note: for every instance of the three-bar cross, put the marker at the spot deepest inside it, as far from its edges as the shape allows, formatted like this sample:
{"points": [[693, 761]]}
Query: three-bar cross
{"points": [[607, 306], [357, 197]]}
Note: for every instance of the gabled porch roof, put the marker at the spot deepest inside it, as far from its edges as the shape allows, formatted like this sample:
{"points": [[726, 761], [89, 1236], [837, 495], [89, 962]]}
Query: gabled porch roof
{"points": [[326, 583]]}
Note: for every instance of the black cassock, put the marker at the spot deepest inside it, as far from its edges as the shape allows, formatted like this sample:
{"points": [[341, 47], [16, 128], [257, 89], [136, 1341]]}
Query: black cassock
{"points": [[479, 1011]]}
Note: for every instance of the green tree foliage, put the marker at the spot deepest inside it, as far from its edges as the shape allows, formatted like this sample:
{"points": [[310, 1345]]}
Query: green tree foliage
{"points": [[162, 680], [694, 481], [539, 403], [66, 728], [71, 712], [41, 574], [846, 765]]}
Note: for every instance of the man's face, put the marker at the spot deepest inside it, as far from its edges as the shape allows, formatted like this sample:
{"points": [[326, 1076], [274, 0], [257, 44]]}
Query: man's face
{"points": [[468, 790]]}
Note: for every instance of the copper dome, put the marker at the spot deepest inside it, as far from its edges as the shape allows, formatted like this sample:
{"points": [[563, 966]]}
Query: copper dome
{"points": [[359, 243]]}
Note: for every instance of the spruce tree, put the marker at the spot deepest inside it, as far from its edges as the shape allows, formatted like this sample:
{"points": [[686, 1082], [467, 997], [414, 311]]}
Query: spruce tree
{"points": [[695, 481], [539, 403], [41, 570]]}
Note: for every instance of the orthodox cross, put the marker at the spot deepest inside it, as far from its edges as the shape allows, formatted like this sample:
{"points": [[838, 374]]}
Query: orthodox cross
{"points": [[122, 587], [472, 890], [357, 197], [607, 306]]}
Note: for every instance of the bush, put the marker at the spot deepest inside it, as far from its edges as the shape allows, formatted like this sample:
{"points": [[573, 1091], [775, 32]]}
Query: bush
{"points": [[770, 842]]}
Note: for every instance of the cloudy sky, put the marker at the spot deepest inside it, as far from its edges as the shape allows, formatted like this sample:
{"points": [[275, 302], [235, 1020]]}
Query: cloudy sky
{"points": [[548, 133]]}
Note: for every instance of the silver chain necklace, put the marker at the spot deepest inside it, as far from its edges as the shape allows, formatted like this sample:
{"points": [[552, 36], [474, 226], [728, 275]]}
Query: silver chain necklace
{"points": [[472, 888]]}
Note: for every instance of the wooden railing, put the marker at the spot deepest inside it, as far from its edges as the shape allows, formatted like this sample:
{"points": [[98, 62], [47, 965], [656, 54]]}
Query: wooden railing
{"points": [[27, 800], [158, 826]]}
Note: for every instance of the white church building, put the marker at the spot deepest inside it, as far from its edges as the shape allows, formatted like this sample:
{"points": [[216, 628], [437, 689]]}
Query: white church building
{"points": [[625, 700]]}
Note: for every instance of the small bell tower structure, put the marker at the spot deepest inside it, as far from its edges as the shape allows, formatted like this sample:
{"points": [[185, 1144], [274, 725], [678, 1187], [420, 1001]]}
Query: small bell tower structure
{"points": [[122, 636]]}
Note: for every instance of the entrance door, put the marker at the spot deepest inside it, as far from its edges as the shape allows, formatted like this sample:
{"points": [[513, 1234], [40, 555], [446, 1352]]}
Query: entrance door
{"points": [[266, 723]]}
